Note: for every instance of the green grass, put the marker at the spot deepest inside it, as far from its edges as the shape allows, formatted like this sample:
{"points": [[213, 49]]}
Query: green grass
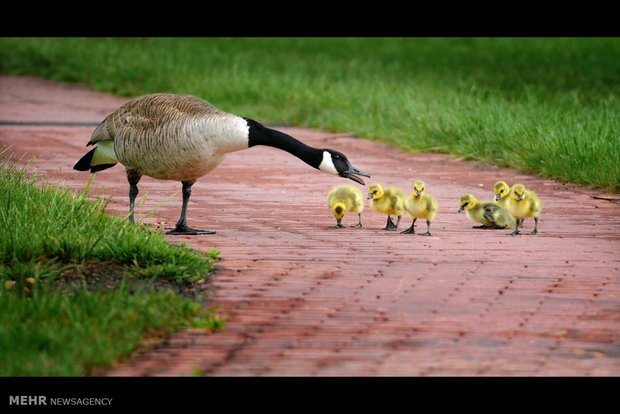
{"points": [[70, 301], [543, 105]]}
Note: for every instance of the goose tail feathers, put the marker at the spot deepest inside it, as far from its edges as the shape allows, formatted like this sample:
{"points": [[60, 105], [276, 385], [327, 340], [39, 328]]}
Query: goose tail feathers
{"points": [[97, 159]]}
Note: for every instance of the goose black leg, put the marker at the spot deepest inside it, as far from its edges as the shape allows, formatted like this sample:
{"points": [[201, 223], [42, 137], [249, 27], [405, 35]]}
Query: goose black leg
{"points": [[133, 176], [181, 227], [410, 230]]}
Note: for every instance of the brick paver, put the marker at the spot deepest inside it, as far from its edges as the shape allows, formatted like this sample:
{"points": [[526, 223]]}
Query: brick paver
{"points": [[308, 300]]}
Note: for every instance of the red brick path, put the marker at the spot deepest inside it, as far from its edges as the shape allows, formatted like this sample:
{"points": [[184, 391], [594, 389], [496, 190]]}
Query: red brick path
{"points": [[308, 300]]}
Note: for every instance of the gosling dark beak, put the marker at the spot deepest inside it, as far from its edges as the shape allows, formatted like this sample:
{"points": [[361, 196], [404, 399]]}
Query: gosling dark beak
{"points": [[497, 197], [460, 209], [352, 174], [520, 197], [369, 197]]}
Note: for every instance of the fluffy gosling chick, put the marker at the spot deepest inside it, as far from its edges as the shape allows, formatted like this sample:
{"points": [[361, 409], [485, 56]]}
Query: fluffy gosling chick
{"points": [[489, 214], [523, 203], [344, 198], [388, 201], [420, 205], [501, 189]]}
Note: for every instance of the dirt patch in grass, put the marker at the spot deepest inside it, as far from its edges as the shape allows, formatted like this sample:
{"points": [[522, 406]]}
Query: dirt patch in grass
{"points": [[108, 275]]}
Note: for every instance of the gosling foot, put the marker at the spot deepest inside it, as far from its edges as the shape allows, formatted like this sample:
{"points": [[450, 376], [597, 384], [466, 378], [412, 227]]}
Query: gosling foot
{"points": [[390, 225]]}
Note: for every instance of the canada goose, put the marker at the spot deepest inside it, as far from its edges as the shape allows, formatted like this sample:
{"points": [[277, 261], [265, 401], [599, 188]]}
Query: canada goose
{"points": [[489, 214], [501, 190], [182, 138], [344, 198], [420, 205], [523, 203], [387, 201]]}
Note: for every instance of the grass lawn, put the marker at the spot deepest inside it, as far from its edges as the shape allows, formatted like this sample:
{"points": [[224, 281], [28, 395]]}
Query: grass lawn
{"points": [[549, 106], [79, 289], [77, 286]]}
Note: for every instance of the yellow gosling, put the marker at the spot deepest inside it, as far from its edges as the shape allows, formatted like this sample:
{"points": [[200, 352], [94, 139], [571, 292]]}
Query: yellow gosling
{"points": [[522, 204], [344, 198], [420, 205], [388, 201], [487, 213], [501, 190]]}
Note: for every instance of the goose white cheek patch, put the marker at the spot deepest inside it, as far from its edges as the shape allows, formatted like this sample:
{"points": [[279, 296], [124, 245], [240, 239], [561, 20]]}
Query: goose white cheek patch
{"points": [[327, 164]]}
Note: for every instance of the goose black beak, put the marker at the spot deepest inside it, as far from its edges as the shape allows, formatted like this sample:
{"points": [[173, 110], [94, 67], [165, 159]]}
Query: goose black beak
{"points": [[352, 174], [497, 197], [460, 209]]}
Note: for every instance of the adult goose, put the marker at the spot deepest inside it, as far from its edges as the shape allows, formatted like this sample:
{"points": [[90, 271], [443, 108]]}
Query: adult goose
{"points": [[182, 138]]}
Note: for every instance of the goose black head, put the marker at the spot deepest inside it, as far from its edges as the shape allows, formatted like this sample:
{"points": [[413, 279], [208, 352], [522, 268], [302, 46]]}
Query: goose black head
{"points": [[337, 163]]}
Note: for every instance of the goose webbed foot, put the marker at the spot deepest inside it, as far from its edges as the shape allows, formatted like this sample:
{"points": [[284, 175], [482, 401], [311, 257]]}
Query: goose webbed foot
{"points": [[183, 229], [410, 230], [357, 226], [428, 233], [515, 233]]}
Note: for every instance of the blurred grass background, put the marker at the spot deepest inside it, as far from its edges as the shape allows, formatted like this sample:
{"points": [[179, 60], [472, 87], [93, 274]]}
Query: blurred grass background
{"points": [[540, 105]]}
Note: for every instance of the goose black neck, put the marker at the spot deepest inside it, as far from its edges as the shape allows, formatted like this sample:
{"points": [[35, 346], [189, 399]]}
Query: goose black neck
{"points": [[259, 134]]}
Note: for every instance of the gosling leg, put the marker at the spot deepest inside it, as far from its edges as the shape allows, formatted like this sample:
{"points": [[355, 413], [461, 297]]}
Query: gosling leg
{"points": [[535, 231], [359, 224], [428, 229], [518, 224], [390, 224], [410, 230], [338, 224], [181, 227]]}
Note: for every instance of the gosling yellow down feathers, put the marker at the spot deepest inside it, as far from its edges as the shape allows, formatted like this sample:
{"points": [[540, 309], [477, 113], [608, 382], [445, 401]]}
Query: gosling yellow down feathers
{"points": [[487, 213], [389, 200], [501, 189], [523, 203], [420, 205], [344, 198]]}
